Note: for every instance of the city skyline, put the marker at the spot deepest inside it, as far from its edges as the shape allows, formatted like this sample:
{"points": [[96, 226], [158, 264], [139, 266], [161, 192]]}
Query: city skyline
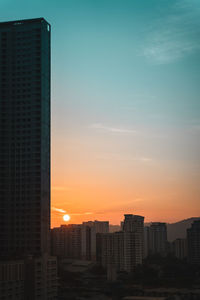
{"points": [[125, 109]]}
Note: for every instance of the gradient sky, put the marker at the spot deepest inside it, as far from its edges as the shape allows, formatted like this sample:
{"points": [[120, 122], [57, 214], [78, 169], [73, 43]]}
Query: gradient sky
{"points": [[125, 106]]}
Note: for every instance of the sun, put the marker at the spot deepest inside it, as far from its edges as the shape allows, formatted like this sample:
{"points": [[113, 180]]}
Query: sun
{"points": [[66, 218]]}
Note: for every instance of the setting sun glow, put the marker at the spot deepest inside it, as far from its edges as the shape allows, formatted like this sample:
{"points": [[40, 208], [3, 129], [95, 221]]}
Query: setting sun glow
{"points": [[66, 218]]}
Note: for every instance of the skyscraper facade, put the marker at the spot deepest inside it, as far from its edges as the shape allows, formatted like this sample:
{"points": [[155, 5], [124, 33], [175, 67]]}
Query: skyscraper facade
{"points": [[24, 137], [25, 162]]}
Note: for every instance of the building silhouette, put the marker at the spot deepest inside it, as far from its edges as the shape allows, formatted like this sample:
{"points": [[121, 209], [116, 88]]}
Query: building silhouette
{"points": [[25, 136], [134, 223], [157, 238], [89, 243], [66, 241], [123, 250], [193, 243], [78, 241], [100, 226], [179, 248], [25, 155], [146, 241]]}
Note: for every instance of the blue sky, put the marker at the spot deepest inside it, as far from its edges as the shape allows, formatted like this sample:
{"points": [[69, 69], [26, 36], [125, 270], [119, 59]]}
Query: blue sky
{"points": [[125, 101]]}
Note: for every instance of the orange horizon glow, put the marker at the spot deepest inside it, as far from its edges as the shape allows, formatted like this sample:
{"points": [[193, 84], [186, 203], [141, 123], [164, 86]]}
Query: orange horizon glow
{"points": [[106, 191], [94, 199]]}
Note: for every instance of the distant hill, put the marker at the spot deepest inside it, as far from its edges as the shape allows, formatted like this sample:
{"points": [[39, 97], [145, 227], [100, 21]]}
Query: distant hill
{"points": [[174, 230], [179, 229]]}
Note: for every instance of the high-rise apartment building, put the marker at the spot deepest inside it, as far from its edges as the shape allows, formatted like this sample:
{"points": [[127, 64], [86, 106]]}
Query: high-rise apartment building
{"points": [[112, 253], [89, 231], [158, 238], [123, 250], [193, 243], [100, 226], [25, 155], [24, 137], [179, 248], [66, 241], [146, 241], [88, 242], [134, 223], [78, 241]]}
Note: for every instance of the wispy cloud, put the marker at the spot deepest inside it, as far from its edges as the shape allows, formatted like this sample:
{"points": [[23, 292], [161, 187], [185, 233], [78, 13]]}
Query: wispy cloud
{"points": [[81, 214], [175, 35], [109, 129], [59, 210], [144, 159], [62, 211]]}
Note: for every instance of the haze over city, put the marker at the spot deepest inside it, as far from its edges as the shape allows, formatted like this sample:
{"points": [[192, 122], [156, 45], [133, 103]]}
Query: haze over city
{"points": [[125, 107]]}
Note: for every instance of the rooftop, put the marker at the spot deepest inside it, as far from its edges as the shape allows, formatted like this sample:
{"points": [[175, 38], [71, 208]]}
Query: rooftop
{"points": [[21, 22]]}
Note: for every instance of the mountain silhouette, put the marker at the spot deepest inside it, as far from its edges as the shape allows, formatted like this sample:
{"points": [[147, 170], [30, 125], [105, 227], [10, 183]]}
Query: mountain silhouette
{"points": [[174, 230], [179, 229]]}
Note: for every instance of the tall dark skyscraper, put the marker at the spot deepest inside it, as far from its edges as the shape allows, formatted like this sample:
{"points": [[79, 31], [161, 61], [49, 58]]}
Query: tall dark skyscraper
{"points": [[26, 269], [24, 137]]}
